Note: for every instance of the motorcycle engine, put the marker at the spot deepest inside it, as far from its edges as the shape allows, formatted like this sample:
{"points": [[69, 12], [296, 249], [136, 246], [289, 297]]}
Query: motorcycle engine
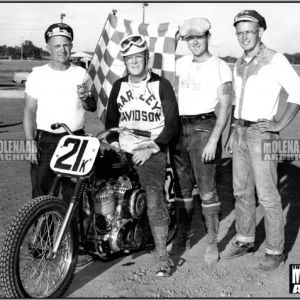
{"points": [[119, 210], [105, 203]]}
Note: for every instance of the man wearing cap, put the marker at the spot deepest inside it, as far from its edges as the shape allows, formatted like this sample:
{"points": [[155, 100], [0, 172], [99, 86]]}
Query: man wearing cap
{"points": [[259, 76], [204, 81], [54, 93], [143, 100]]}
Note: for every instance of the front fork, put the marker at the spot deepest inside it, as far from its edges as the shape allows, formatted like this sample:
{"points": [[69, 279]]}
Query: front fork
{"points": [[79, 187]]}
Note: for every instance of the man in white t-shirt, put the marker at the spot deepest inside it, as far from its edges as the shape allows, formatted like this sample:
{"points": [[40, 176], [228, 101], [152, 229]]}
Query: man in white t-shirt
{"points": [[204, 81], [54, 93]]}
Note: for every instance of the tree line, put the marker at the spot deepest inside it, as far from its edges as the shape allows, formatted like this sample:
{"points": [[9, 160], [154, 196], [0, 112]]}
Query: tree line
{"points": [[28, 51]]}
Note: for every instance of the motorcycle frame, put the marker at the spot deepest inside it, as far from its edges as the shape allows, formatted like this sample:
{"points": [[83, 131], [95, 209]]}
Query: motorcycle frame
{"points": [[81, 183]]}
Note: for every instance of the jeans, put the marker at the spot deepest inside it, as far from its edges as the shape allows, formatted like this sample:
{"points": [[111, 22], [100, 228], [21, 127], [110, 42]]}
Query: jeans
{"points": [[153, 174], [42, 176], [250, 171], [189, 168]]}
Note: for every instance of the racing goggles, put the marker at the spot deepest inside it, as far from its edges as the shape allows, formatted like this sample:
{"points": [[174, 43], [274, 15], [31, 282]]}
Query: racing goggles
{"points": [[132, 39]]}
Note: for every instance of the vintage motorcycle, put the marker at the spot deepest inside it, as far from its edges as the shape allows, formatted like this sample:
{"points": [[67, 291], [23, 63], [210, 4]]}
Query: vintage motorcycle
{"points": [[40, 249]]}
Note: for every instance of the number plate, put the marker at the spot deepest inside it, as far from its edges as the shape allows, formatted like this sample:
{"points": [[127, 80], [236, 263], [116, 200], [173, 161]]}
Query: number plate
{"points": [[75, 154], [169, 183]]}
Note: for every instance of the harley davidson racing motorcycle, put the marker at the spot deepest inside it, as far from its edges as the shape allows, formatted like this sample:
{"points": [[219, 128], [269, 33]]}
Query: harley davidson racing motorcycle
{"points": [[40, 249]]}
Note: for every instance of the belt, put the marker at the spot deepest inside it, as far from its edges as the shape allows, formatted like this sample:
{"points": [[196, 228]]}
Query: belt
{"points": [[77, 132], [244, 123], [196, 118]]}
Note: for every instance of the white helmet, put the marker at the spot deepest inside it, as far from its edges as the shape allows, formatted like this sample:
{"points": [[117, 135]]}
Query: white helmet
{"points": [[133, 43]]}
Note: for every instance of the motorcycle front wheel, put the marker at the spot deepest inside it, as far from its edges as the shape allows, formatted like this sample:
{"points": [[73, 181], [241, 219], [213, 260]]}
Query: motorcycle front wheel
{"points": [[27, 270]]}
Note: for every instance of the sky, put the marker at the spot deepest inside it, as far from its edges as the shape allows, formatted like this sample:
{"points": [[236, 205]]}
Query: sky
{"points": [[29, 21]]}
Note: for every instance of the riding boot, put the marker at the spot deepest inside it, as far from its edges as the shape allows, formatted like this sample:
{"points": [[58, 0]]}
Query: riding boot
{"points": [[183, 210], [212, 225], [159, 229]]}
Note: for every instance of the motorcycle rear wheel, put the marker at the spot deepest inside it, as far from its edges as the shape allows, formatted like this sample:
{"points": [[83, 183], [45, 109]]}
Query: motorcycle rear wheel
{"points": [[26, 270]]}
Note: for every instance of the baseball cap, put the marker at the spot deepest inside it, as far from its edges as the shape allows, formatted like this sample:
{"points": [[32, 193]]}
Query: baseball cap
{"points": [[250, 15], [196, 27], [133, 43], [59, 29]]}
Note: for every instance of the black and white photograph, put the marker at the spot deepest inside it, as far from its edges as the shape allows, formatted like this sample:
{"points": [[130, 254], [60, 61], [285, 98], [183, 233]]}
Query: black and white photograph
{"points": [[149, 150]]}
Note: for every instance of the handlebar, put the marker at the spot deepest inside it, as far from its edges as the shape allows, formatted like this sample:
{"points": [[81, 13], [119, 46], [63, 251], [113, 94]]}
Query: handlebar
{"points": [[58, 125], [103, 134]]}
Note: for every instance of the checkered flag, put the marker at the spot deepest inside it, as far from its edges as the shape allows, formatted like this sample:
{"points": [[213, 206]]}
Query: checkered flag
{"points": [[107, 64]]}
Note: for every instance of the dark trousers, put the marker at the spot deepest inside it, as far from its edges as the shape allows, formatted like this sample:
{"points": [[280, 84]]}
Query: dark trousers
{"points": [[189, 168], [42, 176], [153, 174]]}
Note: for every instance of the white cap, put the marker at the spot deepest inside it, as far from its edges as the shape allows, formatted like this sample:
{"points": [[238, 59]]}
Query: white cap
{"points": [[195, 27]]}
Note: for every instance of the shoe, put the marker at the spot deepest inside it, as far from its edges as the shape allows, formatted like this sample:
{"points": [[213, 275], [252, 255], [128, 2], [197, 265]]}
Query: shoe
{"points": [[164, 267], [239, 249], [271, 262]]}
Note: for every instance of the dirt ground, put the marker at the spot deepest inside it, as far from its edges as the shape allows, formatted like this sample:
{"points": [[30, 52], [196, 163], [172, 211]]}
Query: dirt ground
{"points": [[132, 276]]}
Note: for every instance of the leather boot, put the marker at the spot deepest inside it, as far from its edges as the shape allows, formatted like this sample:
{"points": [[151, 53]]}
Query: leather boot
{"points": [[159, 229], [184, 210], [212, 225], [271, 262]]}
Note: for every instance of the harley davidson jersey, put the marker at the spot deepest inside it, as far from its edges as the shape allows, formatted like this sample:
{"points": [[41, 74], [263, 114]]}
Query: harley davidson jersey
{"points": [[149, 105]]}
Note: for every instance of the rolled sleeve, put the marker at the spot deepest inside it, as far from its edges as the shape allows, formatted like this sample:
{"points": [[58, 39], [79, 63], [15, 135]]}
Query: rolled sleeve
{"points": [[287, 77]]}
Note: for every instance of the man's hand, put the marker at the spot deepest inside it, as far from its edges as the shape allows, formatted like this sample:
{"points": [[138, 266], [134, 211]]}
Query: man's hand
{"points": [[82, 92], [140, 156], [33, 157], [264, 125], [209, 152], [228, 146]]}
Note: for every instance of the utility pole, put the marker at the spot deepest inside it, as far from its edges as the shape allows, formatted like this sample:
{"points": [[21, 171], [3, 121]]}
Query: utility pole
{"points": [[144, 5], [62, 17], [114, 11], [22, 48]]}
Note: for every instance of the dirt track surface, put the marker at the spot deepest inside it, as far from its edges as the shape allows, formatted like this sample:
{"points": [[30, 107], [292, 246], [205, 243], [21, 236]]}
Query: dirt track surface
{"points": [[132, 275]]}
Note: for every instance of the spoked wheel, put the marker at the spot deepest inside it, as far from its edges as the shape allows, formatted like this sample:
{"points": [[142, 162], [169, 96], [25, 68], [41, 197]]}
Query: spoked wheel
{"points": [[27, 267]]}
